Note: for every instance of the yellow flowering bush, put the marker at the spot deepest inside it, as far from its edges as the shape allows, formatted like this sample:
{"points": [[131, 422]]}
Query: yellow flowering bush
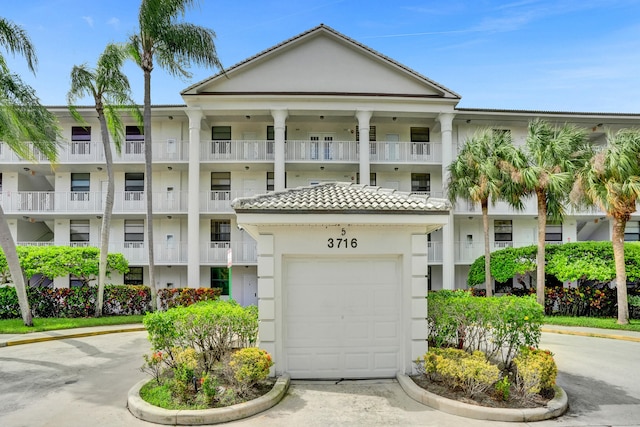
{"points": [[471, 373], [250, 365], [536, 371]]}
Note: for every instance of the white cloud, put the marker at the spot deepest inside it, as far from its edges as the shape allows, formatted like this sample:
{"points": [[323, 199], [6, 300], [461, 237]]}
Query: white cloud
{"points": [[88, 20], [114, 22]]}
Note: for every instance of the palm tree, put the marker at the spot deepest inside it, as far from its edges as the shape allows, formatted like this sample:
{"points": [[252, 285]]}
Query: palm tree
{"points": [[611, 181], [173, 45], [109, 87], [22, 119], [545, 168], [477, 175]]}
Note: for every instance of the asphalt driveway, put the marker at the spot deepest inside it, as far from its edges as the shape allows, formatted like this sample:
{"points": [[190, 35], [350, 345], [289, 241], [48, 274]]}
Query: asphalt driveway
{"points": [[84, 382]]}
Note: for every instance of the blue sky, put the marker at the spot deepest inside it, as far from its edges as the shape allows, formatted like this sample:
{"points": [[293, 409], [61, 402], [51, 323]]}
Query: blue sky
{"points": [[554, 55]]}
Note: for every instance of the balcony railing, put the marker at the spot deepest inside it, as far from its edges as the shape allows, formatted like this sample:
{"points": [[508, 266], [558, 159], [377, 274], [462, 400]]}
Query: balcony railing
{"points": [[217, 252], [236, 150], [90, 202], [405, 152], [220, 201], [168, 150], [468, 252]]}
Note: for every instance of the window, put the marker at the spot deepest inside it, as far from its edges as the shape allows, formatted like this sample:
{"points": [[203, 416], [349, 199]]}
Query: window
{"points": [[134, 276], [133, 186], [270, 181], [271, 136], [134, 140], [221, 133], [503, 230], [632, 231], [553, 233], [80, 140], [80, 186], [221, 139], [220, 185], [420, 182], [419, 141], [75, 282], [372, 138], [134, 233], [220, 279], [220, 230], [79, 230], [372, 178]]}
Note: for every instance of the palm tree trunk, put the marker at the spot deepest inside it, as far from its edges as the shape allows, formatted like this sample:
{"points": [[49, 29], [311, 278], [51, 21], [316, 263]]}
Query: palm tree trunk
{"points": [[149, 187], [540, 259], [106, 216], [9, 248], [487, 250], [617, 240]]}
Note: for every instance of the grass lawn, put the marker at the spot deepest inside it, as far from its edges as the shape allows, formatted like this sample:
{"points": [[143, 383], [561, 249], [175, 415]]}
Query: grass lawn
{"points": [[592, 322], [16, 326]]}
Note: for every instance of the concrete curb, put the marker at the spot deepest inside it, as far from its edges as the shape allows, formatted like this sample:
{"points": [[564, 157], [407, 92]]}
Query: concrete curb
{"points": [[556, 407], [591, 334], [147, 412], [20, 340]]}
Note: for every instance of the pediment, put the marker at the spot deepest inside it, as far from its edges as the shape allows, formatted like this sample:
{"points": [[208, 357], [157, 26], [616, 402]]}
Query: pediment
{"points": [[321, 61]]}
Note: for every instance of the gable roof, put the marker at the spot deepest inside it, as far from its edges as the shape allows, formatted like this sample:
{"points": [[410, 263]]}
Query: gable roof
{"points": [[329, 32], [341, 197]]}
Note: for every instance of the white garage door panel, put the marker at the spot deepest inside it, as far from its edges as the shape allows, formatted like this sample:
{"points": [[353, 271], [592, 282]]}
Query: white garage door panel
{"points": [[342, 317]]}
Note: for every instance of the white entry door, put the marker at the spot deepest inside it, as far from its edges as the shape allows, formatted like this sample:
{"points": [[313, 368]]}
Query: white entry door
{"points": [[342, 317]]}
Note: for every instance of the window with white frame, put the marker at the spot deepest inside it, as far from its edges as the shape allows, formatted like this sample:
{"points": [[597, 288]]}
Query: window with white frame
{"points": [[80, 184], [221, 139], [134, 233], [503, 232], [372, 178], [220, 230], [632, 231], [220, 185], [420, 141], [553, 233], [79, 232], [420, 182], [80, 140], [134, 140]]}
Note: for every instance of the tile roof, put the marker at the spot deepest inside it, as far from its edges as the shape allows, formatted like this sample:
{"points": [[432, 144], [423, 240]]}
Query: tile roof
{"points": [[341, 197]]}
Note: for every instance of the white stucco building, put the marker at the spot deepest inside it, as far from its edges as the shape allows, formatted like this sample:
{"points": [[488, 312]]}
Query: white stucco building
{"points": [[317, 108]]}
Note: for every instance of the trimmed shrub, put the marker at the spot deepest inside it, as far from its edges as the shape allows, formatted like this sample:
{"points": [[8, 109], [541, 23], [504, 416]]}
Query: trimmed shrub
{"points": [[213, 328], [182, 297], [497, 326], [250, 366], [469, 372], [536, 371], [589, 301], [9, 307]]}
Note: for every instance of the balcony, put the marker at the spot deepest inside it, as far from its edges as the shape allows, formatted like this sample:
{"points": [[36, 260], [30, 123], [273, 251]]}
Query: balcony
{"points": [[321, 151], [220, 201], [90, 202], [217, 252], [168, 150], [468, 252]]}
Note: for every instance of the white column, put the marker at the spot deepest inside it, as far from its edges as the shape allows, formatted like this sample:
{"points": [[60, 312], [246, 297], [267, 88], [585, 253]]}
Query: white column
{"points": [[448, 235], [279, 126], [363, 117], [193, 207]]}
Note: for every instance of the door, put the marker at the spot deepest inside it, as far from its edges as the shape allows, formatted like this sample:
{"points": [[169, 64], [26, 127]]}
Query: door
{"points": [[342, 317]]}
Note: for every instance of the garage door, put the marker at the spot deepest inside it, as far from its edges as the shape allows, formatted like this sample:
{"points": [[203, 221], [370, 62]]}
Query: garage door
{"points": [[342, 317]]}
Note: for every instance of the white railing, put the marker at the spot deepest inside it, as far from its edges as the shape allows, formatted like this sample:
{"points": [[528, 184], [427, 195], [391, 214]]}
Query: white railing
{"points": [[220, 201], [217, 252], [322, 151], [90, 202], [236, 150], [468, 252], [405, 152], [93, 152], [434, 252]]}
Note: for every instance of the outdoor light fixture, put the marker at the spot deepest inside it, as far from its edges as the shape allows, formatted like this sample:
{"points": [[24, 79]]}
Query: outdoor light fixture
{"points": [[246, 168], [99, 168], [321, 168], [247, 117], [394, 118], [321, 117], [26, 169], [170, 168]]}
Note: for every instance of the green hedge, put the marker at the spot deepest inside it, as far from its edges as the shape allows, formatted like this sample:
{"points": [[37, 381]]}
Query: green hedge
{"points": [[497, 326], [581, 262], [170, 298], [76, 302], [212, 328]]}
